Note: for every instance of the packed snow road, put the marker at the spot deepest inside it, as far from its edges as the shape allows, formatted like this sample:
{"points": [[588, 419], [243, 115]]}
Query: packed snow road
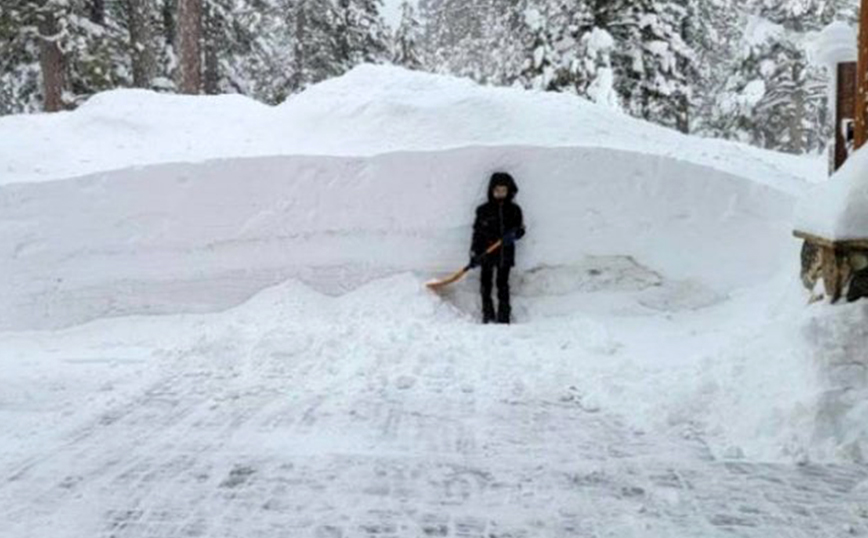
{"points": [[385, 412]]}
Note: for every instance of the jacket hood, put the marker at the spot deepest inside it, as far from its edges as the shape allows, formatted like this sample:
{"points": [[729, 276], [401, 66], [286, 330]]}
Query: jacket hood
{"points": [[502, 178]]}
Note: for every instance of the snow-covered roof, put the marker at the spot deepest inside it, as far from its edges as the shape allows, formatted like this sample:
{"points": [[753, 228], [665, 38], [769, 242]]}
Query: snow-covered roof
{"points": [[836, 44], [837, 210], [371, 110]]}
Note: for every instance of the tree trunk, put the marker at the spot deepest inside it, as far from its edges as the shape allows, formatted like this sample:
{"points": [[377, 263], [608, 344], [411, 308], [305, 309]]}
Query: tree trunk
{"points": [[795, 123], [168, 14], [52, 62], [189, 46], [298, 78], [211, 41], [97, 12], [141, 46], [682, 122]]}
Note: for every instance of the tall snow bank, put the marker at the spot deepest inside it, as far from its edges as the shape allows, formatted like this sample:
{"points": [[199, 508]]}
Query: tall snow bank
{"points": [[838, 208], [199, 237], [369, 111]]}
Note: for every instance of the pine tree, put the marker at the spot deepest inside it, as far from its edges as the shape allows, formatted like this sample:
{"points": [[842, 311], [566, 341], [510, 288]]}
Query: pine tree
{"points": [[140, 18], [594, 73], [405, 47], [714, 30], [243, 48], [55, 55], [359, 34], [775, 98], [481, 39], [310, 27], [656, 65], [540, 70], [20, 73]]}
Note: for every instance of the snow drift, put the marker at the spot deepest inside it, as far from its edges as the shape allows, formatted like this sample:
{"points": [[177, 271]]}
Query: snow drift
{"points": [[199, 237], [369, 111]]}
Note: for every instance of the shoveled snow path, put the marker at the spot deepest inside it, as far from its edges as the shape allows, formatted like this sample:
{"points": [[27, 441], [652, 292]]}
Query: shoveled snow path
{"points": [[367, 417]]}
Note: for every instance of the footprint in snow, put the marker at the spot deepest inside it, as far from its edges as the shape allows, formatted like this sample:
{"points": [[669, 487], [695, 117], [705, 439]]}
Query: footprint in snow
{"points": [[405, 382]]}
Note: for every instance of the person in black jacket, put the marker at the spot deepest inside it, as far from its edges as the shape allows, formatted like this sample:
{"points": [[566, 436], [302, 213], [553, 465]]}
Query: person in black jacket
{"points": [[499, 218]]}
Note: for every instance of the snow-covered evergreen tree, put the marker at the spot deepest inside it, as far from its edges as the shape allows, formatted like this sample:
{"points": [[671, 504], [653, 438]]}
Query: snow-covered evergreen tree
{"points": [[326, 38], [540, 70], [244, 48], [310, 29], [407, 38], [20, 77], [594, 69], [714, 30], [481, 39], [657, 66], [775, 97], [360, 34], [75, 55]]}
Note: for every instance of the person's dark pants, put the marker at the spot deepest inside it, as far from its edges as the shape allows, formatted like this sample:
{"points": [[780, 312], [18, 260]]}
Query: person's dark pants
{"points": [[503, 308]]}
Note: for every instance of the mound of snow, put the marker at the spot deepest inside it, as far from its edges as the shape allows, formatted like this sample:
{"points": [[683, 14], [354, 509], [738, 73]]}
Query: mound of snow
{"points": [[638, 240], [837, 336], [371, 110], [200, 237], [838, 209], [782, 370]]}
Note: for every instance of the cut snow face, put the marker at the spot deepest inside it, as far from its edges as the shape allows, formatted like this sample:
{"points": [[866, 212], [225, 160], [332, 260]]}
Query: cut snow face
{"points": [[194, 237]]}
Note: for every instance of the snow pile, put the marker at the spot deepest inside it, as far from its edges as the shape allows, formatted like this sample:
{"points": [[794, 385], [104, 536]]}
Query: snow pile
{"points": [[836, 44], [838, 336], [686, 374], [838, 209], [637, 287], [387, 410], [200, 237], [798, 384], [370, 111]]}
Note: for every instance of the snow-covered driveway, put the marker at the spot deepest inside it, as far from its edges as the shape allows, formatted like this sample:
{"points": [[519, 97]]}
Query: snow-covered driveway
{"points": [[385, 412]]}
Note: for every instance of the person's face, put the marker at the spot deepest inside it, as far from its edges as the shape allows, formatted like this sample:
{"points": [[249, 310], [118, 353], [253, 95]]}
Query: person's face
{"points": [[501, 192]]}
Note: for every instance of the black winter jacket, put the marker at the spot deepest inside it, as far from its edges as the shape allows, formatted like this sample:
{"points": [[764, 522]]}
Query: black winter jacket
{"points": [[493, 220]]}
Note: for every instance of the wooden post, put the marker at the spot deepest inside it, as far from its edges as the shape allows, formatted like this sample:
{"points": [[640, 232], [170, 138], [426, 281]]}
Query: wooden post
{"points": [[831, 274], [861, 121], [845, 107]]}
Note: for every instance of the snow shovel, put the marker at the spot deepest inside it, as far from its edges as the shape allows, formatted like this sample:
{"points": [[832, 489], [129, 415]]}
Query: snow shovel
{"points": [[438, 284]]}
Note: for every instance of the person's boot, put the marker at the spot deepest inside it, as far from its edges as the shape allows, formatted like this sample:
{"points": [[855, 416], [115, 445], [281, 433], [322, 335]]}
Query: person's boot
{"points": [[488, 311], [503, 313]]}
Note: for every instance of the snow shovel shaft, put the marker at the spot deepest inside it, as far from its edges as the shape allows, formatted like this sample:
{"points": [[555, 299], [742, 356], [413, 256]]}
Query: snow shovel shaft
{"points": [[437, 284]]}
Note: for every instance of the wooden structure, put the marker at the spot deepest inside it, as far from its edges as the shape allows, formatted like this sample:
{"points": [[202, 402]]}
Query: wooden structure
{"points": [[843, 265], [837, 263]]}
